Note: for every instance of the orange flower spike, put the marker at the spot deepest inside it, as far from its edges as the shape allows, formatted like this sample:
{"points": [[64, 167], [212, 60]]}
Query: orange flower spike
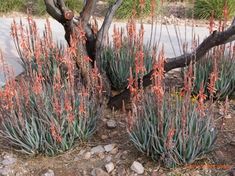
{"points": [[212, 23], [70, 118], [53, 131], [67, 104], [225, 13], [201, 98], [142, 4], [87, 59], [82, 108], [153, 7], [81, 34], [130, 80], [37, 85], [131, 30]]}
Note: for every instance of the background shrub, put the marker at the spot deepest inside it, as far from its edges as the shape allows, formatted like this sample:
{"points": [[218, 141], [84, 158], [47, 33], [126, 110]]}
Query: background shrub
{"points": [[205, 8], [36, 7], [126, 9], [11, 5]]}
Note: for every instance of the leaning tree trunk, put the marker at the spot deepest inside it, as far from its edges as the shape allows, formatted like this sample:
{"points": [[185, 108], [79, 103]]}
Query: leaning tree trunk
{"points": [[94, 41]]}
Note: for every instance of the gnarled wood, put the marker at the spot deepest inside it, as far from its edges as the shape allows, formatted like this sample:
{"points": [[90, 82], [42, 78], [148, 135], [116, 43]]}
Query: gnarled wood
{"points": [[58, 10]]}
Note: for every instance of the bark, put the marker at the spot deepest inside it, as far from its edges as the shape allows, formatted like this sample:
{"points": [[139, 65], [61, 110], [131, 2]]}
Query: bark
{"points": [[104, 29], [215, 39], [94, 43]]}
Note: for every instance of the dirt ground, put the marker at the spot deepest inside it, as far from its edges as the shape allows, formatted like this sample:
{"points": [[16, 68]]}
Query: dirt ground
{"points": [[76, 163]]}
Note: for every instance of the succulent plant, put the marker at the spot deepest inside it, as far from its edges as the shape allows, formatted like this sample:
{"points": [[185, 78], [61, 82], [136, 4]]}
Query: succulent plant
{"points": [[117, 64], [47, 110], [224, 85], [159, 132]]}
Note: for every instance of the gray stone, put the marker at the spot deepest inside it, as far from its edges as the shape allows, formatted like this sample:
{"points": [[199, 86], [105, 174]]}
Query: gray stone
{"points": [[5, 171], [111, 124], [121, 171], [8, 160], [98, 149], [87, 155], [49, 173], [114, 151], [108, 158], [99, 172], [109, 167], [137, 167], [109, 147]]}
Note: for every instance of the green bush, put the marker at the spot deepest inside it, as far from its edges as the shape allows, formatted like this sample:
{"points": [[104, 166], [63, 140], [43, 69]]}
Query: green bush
{"points": [[126, 9], [205, 8], [166, 138], [225, 84], [11, 5], [37, 7]]}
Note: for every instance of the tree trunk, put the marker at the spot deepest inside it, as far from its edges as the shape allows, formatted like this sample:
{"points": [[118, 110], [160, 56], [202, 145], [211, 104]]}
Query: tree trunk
{"points": [[94, 42]]}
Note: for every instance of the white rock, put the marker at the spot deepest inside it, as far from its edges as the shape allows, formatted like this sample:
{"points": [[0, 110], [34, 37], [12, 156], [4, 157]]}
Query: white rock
{"points": [[87, 155], [137, 167], [99, 172], [8, 160], [98, 149], [111, 124], [5, 171], [109, 167], [49, 173], [108, 159], [109, 147]]}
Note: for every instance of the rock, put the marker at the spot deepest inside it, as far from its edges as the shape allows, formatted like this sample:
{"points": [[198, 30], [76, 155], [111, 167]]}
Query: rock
{"points": [[104, 137], [49, 173], [108, 158], [81, 152], [232, 172], [99, 172], [5, 171], [101, 155], [124, 155], [109, 147], [87, 155], [220, 156], [114, 151], [109, 167], [121, 171], [137, 167], [111, 124], [8, 160], [98, 149]]}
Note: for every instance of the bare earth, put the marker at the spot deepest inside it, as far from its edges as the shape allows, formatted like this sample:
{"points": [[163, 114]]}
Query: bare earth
{"points": [[78, 162]]}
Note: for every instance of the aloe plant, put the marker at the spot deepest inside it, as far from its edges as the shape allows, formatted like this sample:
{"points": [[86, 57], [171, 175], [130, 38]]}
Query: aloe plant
{"points": [[47, 110], [225, 84], [165, 138], [117, 64]]}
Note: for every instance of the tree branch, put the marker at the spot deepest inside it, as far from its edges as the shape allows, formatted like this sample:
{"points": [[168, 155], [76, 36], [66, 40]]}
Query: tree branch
{"points": [[58, 10], [104, 28], [87, 11], [215, 39]]}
